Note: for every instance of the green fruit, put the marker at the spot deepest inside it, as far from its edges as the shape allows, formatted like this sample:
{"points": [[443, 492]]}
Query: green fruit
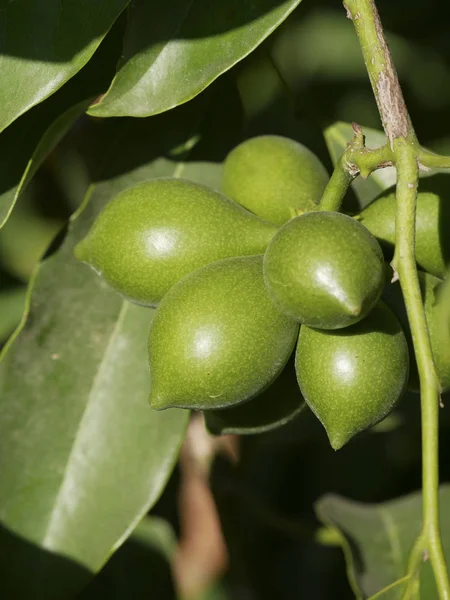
{"points": [[353, 377], [153, 234], [324, 269], [277, 405], [217, 339], [275, 177], [438, 325], [432, 224]]}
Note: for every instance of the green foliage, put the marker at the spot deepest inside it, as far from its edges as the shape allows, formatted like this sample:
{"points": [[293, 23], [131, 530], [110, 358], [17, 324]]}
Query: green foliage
{"points": [[377, 540], [351, 378], [324, 270], [217, 339], [54, 494], [173, 51], [154, 234], [274, 177], [45, 45]]}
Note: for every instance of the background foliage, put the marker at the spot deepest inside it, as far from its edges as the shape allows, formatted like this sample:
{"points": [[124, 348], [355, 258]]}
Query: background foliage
{"points": [[82, 458]]}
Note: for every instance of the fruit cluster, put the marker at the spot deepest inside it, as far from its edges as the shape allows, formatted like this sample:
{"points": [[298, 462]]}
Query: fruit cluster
{"points": [[237, 290]]}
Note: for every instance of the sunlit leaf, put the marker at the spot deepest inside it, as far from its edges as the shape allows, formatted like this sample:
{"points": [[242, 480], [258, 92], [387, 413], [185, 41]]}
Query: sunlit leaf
{"points": [[174, 50], [44, 44], [82, 455]]}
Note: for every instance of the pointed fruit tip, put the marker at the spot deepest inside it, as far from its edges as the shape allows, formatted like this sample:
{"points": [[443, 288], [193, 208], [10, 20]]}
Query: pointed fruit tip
{"points": [[158, 402], [81, 251], [337, 441]]}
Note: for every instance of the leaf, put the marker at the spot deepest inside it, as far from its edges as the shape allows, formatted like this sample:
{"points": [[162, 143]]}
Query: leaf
{"points": [[174, 50], [141, 568], [377, 538], [27, 142], [83, 457], [44, 44], [12, 303], [337, 137]]}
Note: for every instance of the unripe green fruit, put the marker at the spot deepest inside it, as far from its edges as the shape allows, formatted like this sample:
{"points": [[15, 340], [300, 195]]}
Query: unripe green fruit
{"points": [[324, 269], [432, 245], [153, 234], [277, 405], [438, 326], [275, 177], [353, 377], [217, 339]]}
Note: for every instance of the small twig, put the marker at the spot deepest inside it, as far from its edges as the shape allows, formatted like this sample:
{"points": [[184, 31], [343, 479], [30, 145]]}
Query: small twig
{"points": [[355, 160]]}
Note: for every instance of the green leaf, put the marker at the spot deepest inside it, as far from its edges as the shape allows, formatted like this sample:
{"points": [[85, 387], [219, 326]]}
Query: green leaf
{"points": [[377, 538], [277, 405], [12, 302], [337, 137], [174, 50], [27, 142], [44, 44], [82, 455], [141, 568]]}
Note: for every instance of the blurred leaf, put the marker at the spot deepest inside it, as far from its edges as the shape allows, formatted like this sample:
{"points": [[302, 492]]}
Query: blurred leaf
{"points": [[174, 50], [27, 142], [44, 44], [25, 237], [377, 539], [12, 303], [82, 455], [337, 137], [277, 405], [141, 568]]}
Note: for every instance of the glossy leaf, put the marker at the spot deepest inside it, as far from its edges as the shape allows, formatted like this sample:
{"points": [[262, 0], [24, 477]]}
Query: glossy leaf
{"points": [[337, 137], [377, 538], [174, 50], [82, 455], [27, 142], [44, 44]]}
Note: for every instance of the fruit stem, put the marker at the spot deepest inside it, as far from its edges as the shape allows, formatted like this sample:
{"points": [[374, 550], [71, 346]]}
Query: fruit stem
{"points": [[429, 160], [407, 157], [355, 160]]}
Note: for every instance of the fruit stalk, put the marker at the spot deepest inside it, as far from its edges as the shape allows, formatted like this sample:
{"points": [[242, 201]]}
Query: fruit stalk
{"points": [[407, 157], [355, 160]]}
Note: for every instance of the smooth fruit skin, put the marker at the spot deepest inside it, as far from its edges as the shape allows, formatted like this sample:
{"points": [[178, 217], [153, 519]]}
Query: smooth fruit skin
{"points": [[151, 235], [217, 339], [438, 326], [324, 269], [275, 177], [432, 224], [353, 377]]}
